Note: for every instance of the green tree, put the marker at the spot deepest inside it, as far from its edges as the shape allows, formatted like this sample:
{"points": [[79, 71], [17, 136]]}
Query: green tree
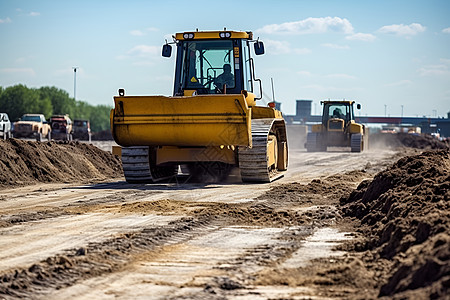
{"points": [[19, 99], [61, 102], [99, 117]]}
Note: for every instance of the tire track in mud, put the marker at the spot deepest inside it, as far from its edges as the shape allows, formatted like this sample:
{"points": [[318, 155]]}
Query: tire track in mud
{"points": [[85, 204], [196, 219]]}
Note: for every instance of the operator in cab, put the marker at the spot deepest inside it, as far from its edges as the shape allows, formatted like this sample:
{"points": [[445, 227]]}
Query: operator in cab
{"points": [[225, 78]]}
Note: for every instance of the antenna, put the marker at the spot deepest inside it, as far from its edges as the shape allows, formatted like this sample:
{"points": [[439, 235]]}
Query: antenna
{"points": [[273, 91]]}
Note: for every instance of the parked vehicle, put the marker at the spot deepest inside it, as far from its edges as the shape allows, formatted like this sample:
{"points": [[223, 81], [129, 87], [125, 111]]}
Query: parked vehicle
{"points": [[61, 127], [32, 126], [5, 126], [81, 130]]}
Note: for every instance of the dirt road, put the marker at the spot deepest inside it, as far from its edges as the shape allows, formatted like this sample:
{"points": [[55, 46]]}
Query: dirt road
{"points": [[175, 240]]}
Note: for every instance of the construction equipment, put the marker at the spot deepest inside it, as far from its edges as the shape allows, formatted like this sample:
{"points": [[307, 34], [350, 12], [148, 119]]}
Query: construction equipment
{"points": [[211, 123], [338, 128]]}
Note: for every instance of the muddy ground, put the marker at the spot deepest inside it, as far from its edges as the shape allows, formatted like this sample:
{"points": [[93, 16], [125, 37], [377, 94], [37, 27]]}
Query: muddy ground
{"points": [[339, 225]]}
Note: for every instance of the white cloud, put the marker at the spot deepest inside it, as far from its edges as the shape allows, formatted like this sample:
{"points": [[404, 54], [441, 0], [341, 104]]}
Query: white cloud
{"points": [[23, 71], [403, 30], [446, 30], [137, 33], [365, 37], [335, 46], [144, 51], [301, 51], [404, 82], [7, 20], [341, 76], [34, 14], [304, 73], [283, 47], [310, 26], [434, 70]]}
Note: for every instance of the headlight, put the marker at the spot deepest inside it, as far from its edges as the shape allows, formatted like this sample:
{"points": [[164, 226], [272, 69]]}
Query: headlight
{"points": [[225, 35], [188, 36]]}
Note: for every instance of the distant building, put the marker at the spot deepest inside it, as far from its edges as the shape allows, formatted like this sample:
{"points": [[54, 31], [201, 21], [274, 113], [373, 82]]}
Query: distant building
{"points": [[278, 105], [303, 108]]}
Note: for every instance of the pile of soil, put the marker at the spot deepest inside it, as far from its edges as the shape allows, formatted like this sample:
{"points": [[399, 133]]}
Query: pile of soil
{"points": [[30, 162], [404, 220], [395, 140]]}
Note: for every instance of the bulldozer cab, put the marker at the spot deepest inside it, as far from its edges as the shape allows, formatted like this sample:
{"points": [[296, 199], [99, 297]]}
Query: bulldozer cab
{"points": [[337, 114], [338, 110], [213, 62]]}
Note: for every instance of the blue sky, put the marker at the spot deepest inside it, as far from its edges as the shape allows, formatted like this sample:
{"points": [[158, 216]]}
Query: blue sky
{"points": [[383, 54]]}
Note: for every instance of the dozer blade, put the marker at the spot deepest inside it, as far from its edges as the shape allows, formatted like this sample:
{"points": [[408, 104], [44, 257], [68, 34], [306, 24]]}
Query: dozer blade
{"points": [[204, 120]]}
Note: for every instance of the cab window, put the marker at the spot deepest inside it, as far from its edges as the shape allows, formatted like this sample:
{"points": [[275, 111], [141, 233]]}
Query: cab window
{"points": [[204, 63]]}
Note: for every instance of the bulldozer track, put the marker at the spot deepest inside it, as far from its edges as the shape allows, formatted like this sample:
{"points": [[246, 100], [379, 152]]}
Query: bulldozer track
{"points": [[253, 162], [137, 167], [356, 142]]}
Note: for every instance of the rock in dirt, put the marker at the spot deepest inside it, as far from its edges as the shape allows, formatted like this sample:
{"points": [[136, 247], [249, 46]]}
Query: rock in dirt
{"points": [[404, 213], [29, 162]]}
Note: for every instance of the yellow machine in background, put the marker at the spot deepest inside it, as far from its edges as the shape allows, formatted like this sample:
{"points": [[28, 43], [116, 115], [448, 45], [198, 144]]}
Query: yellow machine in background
{"points": [[210, 124], [338, 129]]}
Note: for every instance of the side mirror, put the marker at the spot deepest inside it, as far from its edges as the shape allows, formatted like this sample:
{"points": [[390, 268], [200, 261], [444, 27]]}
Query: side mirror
{"points": [[167, 50], [358, 106], [259, 48]]}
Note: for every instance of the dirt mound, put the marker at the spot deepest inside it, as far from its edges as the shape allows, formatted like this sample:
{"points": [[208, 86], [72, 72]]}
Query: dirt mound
{"points": [[419, 141], [405, 216], [29, 162]]}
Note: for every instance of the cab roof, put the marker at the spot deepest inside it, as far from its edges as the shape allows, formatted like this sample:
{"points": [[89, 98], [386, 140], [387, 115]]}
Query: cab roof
{"points": [[216, 35], [337, 101]]}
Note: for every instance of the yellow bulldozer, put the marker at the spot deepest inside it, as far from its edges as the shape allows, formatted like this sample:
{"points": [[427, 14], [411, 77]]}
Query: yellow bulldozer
{"points": [[211, 123], [338, 128]]}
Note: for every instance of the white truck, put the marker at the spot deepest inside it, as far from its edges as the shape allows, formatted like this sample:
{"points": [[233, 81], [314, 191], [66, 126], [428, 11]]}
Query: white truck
{"points": [[5, 126]]}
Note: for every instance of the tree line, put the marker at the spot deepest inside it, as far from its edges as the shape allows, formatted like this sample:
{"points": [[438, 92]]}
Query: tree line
{"points": [[19, 99]]}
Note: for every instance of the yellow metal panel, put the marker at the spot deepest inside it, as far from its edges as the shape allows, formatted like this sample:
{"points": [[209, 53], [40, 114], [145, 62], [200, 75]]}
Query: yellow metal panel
{"points": [[261, 112], [250, 98], [204, 120], [200, 35], [350, 102], [317, 128], [272, 147], [189, 92], [356, 128]]}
